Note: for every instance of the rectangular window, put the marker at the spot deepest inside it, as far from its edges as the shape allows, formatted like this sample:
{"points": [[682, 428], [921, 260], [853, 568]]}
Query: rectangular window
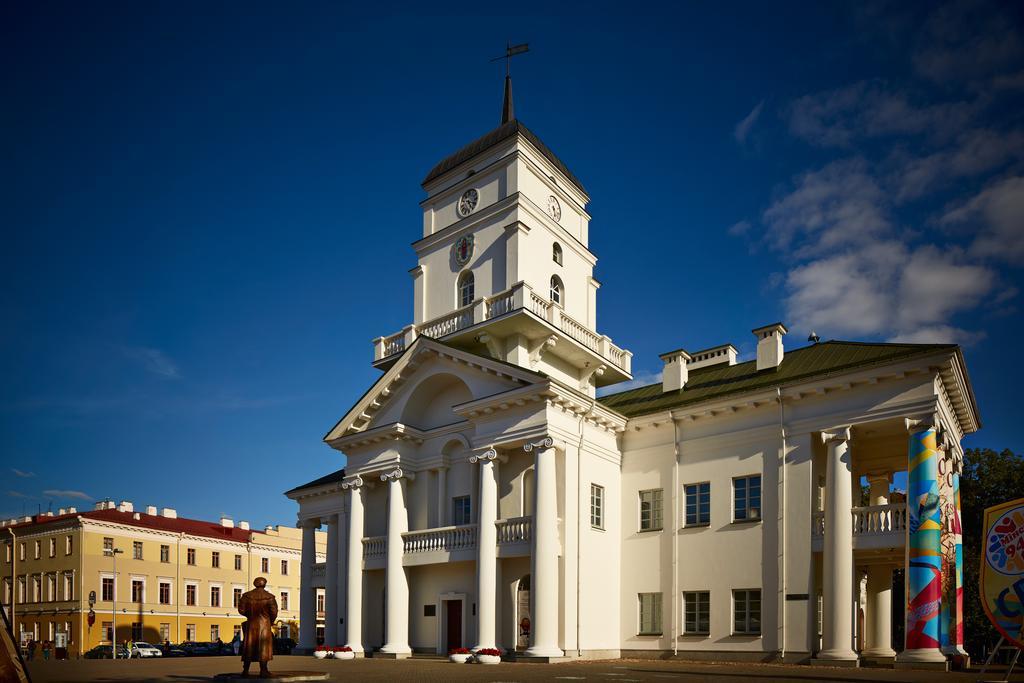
{"points": [[697, 613], [214, 596], [650, 510], [38, 548], [108, 631], [136, 630], [190, 594], [190, 633], [165, 553], [461, 511], [165, 593], [138, 591], [596, 506], [69, 544], [165, 632], [215, 559], [190, 556], [107, 589], [265, 565], [37, 590], [236, 597], [238, 563], [69, 586], [7, 552], [51, 588], [320, 599], [746, 498], [136, 550], [698, 504], [214, 633], [650, 614], [21, 552], [53, 547], [284, 600], [746, 612], [108, 545], [284, 567]]}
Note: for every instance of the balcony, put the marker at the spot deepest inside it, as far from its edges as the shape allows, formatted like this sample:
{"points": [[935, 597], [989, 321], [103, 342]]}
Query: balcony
{"points": [[514, 536], [875, 527], [518, 310], [319, 576]]}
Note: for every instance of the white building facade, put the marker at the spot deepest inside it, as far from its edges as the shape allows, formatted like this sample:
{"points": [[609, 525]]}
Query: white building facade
{"points": [[489, 499]]}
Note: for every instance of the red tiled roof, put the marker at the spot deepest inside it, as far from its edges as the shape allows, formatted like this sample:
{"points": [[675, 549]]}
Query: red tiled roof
{"points": [[193, 527]]}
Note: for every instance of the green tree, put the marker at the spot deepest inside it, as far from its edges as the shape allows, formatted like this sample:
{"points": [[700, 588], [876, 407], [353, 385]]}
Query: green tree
{"points": [[989, 478]]}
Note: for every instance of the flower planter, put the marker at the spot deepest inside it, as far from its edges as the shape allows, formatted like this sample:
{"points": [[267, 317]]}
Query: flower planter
{"points": [[459, 659], [488, 659], [320, 654], [344, 655]]}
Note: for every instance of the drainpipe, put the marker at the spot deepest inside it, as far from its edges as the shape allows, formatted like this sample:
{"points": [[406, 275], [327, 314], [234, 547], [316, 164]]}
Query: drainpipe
{"points": [[177, 590], [675, 536], [579, 519], [782, 509]]}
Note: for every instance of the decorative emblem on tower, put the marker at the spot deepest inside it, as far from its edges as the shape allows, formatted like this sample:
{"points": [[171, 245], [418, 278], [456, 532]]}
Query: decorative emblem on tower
{"points": [[468, 201], [463, 250], [554, 208]]}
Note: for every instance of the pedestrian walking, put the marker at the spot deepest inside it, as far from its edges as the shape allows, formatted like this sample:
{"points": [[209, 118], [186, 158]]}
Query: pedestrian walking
{"points": [[46, 650], [31, 649]]}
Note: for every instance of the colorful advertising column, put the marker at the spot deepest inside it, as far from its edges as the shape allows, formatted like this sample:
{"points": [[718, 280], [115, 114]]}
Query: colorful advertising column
{"points": [[959, 535], [951, 617], [924, 551], [1002, 569]]}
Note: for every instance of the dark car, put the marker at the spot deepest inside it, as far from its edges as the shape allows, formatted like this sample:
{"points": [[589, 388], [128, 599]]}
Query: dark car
{"points": [[103, 652], [284, 646], [197, 649], [173, 651]]}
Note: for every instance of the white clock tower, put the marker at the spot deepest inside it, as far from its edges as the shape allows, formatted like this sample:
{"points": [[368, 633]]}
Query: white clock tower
{"points": [[503, 264]]}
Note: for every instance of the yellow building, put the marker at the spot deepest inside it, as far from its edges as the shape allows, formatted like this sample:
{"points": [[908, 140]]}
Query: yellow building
{"points": [[177, 579]]}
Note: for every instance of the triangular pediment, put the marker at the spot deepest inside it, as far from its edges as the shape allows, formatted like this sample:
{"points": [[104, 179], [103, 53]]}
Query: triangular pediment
{"points": [[419, 390]]}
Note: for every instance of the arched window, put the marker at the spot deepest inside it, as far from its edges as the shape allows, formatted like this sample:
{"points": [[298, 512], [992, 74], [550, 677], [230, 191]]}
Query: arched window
{"points": [[556, 253], [466, 292], [557, 291]]}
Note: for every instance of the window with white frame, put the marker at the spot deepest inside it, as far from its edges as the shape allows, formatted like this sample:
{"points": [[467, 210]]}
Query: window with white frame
{"points": [[236, 596], [466, 288], [214, 633], [165, 553], [190, 556], [107, 588], [698, 504], [53, 547], [69, 544], [650, 509], [556, 253], [21, 589], [215, 559], [746, 612], [697, 612], [21, 552], [165, 631], [265, 565], [37, 589], [461, 512], [238, 563], [214, 596], [320, 600], [165, 592], [138, 590], [284, 567], [8, 589], [596, 506], [136, 550], [190, 594], [108, 631], [557, 290], [746, 496], [190, 633], [8, 552], [51, 587], [650, 614], [69, 586], [284, 601], [108, 545], [38, 548]]}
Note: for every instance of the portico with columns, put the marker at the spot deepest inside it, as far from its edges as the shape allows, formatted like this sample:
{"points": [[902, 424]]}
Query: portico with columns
{"points": [[487, 497]]}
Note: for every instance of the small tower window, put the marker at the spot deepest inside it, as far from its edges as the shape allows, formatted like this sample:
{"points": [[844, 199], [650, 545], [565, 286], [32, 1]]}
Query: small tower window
{"points": [[466, 288], [557, 291], [556, 253]]}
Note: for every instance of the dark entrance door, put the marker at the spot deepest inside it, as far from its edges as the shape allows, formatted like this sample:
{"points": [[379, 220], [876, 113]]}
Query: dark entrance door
{"points": [[454, 621]]}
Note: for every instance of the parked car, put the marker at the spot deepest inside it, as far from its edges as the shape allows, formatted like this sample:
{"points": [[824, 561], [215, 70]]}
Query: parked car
{"points": [[284, 646], [174, 651], [141, 649], [103, 652]]}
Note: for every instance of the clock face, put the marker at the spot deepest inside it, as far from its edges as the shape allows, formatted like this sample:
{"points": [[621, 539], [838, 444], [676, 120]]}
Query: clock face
{"points": [[468, 201], [554, 208]]}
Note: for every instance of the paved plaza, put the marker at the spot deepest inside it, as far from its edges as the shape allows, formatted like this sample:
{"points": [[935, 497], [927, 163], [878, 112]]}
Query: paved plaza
{"points": [[411, 670]]}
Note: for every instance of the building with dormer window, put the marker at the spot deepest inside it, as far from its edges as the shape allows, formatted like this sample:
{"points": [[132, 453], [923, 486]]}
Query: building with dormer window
{"points": [[743, 510]]}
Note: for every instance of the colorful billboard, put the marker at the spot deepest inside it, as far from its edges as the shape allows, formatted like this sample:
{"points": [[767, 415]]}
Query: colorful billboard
{"points": [[1002, 569]]}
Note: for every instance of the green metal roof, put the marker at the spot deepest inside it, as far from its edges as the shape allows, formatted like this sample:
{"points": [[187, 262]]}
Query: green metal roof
{"points": [[809, 362], [331, 478]]}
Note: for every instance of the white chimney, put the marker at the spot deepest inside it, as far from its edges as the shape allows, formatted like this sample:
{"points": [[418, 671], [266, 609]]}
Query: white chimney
{"points": [[769, 345], [72, 511], [151, 510], [169, 513], [62, 511], [243, 525], [126, 506], [716, 355], [136, 516], [227, 522], [675, 372]]}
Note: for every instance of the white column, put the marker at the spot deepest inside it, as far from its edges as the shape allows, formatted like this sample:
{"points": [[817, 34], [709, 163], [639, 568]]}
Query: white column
{"points": [[397, 582], [307, 593], [442, 496], [544, 586], [331, 582], [341, 594], [878, 641], [354, 568], [487, 560], [837, 575]]}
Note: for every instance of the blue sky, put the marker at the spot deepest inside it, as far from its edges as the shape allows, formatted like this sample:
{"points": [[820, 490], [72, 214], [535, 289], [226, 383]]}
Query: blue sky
{"points": [[207, 209]]}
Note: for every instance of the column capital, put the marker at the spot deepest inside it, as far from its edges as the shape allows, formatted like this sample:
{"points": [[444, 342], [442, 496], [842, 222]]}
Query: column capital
{"points": [[545, 443], [397, 474], [489, 455], [877, 476], [353, 483], [310, 523], [838, 434], [921, 423]]}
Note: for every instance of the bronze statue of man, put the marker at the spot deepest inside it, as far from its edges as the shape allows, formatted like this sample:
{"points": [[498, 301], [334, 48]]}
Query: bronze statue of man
{"points": [[259, 607]]}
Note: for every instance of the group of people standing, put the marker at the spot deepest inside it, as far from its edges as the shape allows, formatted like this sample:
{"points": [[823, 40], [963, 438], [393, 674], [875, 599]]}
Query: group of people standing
{"points": [[46, 648]]}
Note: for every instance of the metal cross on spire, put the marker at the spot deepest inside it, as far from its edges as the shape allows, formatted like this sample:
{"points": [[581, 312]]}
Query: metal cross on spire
{"points": [[507, 113]]}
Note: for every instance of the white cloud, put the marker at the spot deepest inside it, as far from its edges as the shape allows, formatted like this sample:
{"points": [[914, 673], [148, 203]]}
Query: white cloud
{"points": [[67, 493], [22, 473], [974, 152], [996, 214], [153, 360], [17, 494], [968, 41], [744, 127], [739, 228], [933, 286], [939, 334]]}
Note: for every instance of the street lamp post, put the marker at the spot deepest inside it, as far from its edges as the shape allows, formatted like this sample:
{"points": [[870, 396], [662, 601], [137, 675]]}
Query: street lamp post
{"points": [[113, 552]]}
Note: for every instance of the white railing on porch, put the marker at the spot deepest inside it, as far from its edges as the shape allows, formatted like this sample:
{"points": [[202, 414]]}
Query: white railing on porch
{"points": [[514, 530], [445, 538], [869, 520], [375, 546]]}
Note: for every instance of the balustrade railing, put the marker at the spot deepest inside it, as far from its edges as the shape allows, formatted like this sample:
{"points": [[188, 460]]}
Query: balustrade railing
{"points": [[500, 304], [443, 538], [458, 319], [394, 344], [514, 530], [375, 546], [580, 333], [869, 520]]}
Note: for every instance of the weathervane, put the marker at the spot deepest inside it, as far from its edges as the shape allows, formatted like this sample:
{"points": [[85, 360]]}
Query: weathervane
{"points": [[510, 52], [507, 113]]}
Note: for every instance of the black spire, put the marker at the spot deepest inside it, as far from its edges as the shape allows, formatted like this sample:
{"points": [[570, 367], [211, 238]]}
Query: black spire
{"points": [[507, 113]]}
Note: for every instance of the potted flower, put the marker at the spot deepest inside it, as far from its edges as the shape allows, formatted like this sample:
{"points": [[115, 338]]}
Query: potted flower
{"points": [[459, 655], [344, 652], [321, 651], [488, 655]]}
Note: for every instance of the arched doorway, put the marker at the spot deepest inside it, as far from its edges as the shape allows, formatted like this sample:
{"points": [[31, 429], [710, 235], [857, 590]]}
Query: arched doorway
{"points": [[524, 622]]}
